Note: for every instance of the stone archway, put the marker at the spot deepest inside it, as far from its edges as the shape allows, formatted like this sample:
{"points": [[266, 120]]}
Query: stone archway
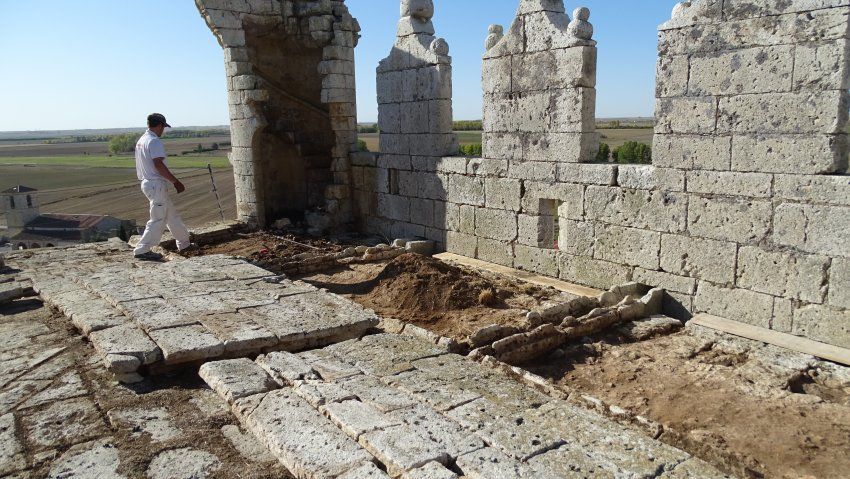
{"points": [[290, 75]]}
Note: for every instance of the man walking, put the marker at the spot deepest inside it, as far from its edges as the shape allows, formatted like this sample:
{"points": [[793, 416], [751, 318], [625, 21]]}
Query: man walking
{"points": [[155, 176]]}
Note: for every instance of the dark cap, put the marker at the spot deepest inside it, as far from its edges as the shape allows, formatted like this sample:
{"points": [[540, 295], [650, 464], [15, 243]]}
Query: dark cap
{"points": [[156, 119]]}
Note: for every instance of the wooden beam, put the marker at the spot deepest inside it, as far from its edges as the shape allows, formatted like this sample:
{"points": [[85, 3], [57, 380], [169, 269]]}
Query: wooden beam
{"points": [[783, 340], [532, 278]]}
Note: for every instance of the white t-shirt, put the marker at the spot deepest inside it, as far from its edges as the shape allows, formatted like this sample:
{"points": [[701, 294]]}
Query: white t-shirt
{"points": [[149, 147]]}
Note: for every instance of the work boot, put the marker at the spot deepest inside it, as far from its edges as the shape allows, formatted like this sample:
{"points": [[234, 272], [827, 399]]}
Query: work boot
{"points": [[149, 256], [189, 249]]}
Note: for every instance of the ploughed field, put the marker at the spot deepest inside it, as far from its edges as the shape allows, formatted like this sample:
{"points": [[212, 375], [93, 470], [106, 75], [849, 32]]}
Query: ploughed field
{"points": [[749, 409]]}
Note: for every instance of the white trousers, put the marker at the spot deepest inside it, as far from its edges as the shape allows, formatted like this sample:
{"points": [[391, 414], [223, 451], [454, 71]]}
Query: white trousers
{"points": [[163, 213]]}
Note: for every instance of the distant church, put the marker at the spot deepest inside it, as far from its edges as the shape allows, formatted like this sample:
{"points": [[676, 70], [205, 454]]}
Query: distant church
{"points": [[28, 228]]}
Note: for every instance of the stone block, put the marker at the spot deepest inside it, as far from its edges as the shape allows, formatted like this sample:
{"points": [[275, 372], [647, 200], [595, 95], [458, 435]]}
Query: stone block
{"points": [[286, 368], [654, 210], [496, 75], [813, 229], [605, 175], [372, 391], [667, 281], [432, 470], [394, 207], [367, 470], [403, 448], [466, 190], [494, 251], [553, 69], [127, 340], [592, 272], [235, 379], [692, 152], [839, 283], [488, 167], [824, 324], [794, 154], [537, 260], [735, 304], [316, 448], [389, 118], [576, 237], [462, 244], [422, 211], [239, 332], [795, 276], [12, 456], [822, 66], [763, 8], [414, 117], [496, 224], [729, 219], [804, 112], [699, 258], [690, 115], [532, 170], [356, 418], [503, 193], [671, 75], [746, 71], [503, 145], [187, 344], [156, 313], [629, 246], [813, 189], [647, 177], [752, 185]]}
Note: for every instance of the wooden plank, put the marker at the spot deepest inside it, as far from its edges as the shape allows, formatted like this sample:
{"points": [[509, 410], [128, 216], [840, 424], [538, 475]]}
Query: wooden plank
{"points": [[532, 278], [783, 340]]}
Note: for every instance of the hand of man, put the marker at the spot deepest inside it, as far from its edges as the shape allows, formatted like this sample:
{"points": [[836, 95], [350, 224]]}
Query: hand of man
{"points": [[179, 186]]}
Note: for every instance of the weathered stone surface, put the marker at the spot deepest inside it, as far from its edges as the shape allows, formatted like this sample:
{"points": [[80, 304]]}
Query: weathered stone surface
{"points": [[314, 319], [698, 258], [813, 228], [740, 304], [839, 283], [239, 332], [93, 460], [236, 378], [739, 220], [432, 470], [356, 418], [126, 340], [156, 313], [316, 448], [628, 245], [367, 470], [402, 448], [64, 423], [187, 343], [286, 368], [156, 424], [824, 324], [11, 451], [802, 277], [185, 463], [490, 462], [247, 445]]}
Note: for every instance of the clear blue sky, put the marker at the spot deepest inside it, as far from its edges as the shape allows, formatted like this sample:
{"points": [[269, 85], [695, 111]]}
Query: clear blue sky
{"points": [[108, 63]]}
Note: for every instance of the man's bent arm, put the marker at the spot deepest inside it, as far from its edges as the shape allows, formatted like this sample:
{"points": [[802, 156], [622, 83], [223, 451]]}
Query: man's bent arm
{"points": [[163, 170]]}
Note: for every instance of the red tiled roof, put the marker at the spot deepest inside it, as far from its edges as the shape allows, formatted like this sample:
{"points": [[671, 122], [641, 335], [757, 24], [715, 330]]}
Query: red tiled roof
{"points": [[66, 221]]}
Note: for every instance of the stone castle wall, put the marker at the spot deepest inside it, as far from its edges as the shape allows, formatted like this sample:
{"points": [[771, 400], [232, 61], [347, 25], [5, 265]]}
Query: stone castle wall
{"points": [[744, 213]]}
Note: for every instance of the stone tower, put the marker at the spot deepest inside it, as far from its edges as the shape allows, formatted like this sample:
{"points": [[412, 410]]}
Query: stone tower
{"points": [[21, 206]]}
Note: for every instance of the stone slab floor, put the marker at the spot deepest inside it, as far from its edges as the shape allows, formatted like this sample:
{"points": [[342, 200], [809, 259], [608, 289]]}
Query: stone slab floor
{"points": [[381, 406], [63, 415], [398, 406]]}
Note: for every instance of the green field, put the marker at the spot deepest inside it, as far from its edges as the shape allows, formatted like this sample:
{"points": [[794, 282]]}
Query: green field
{"points": [[178, 162]]}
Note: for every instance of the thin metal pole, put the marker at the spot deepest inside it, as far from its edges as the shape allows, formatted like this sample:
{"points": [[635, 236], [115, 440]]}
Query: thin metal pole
{"points": [[215, 190]]}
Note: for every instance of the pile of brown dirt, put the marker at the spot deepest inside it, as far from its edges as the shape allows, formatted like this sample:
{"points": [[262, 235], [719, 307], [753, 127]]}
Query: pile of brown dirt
{"points": [[430, 285], [270, 250], [448, 300], [722, 407]]}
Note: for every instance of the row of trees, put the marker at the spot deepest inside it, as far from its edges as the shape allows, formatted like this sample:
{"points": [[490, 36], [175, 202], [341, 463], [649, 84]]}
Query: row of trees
{"points": [[631, 152], [465, 125]]}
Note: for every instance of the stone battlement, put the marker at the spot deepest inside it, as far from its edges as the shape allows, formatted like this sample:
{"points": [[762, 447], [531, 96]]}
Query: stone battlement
{"points": [[744, 213]]}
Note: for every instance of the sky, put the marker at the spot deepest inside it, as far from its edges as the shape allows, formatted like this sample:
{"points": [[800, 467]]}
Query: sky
{"points": [[91, 64]]}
